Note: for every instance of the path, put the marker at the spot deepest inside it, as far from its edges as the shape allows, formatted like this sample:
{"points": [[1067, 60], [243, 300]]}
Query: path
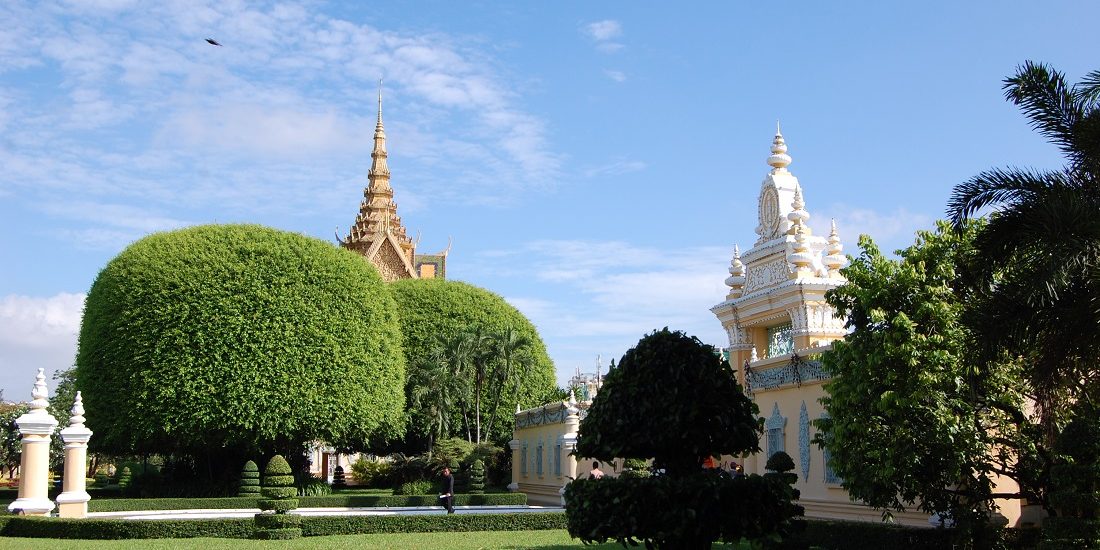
{"points": [[389, 511]]}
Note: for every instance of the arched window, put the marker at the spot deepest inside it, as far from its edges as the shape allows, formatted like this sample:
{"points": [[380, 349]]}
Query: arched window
{"points": [[538, 458], [830, 476], [523, 458], [557, 458], [773, 428]]}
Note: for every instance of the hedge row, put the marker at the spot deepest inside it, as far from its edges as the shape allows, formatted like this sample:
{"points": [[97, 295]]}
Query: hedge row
{"points": [[64, 528], [322, 501], [866, 535]]}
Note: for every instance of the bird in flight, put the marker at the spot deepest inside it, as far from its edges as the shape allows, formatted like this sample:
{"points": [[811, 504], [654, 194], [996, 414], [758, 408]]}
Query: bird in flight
{"points": [[213, 42]]}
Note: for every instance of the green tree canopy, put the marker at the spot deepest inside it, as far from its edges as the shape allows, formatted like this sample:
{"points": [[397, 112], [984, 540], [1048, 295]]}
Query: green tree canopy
{"points": [[435, 312], [1039, 255], [671, 399], [913, 419], [238, 337]]}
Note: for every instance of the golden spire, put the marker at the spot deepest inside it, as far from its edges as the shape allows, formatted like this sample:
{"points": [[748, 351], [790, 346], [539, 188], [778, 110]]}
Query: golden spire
{"points": [[379, 168]]}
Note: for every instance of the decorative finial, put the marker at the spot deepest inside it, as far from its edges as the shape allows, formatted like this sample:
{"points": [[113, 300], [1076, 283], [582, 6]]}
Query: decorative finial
{"points": [[77, 419], [572, 397], [800, 255], [779, 159], [40, 394], [835, 259], [798, 216], [753, 357], [379, 101], [736, 280], [517, 408]]}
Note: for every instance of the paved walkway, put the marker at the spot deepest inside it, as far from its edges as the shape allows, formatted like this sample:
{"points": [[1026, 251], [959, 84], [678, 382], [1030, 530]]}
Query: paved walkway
{"points": [[376, 511]]}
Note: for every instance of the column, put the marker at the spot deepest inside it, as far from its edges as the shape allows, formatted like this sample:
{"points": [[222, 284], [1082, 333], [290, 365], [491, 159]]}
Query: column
{"points": [[35, 426], [73, 501], [569, 444], [514, 446]]}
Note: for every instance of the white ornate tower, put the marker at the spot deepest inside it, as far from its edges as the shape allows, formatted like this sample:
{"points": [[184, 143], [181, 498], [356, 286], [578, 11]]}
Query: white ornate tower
{"points": [[776, 303]]}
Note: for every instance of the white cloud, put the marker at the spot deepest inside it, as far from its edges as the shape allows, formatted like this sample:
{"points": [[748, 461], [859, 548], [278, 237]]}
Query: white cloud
{"points": [[604, 34], [617, 76], [890, 230], [604, 30], [616, 167], [36, 333], [626, 291]]}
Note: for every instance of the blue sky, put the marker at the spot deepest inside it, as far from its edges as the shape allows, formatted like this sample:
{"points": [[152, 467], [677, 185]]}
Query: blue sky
{"points": [[594, 162]]}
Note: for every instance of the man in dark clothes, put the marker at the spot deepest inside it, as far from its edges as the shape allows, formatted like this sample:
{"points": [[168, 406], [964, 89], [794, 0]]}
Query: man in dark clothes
{"points": [[448, 496]]}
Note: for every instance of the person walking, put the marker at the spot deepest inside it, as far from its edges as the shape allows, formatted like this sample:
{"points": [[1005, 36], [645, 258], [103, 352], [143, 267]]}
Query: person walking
{"points": [[596, 472], [448, 496]]}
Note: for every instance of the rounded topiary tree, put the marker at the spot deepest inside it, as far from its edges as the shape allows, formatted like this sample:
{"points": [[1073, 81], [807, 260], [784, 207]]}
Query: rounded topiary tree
{"points": [[279, 492], [250, 480], [226, 340], [338, 477], [671, 399], [432, 309], [477, 477]]}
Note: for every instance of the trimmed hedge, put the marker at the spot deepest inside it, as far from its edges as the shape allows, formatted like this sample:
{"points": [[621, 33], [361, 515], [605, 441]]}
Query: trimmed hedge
{"points": [[64, 528], [860, 535], [250, 480], [326, 501]]}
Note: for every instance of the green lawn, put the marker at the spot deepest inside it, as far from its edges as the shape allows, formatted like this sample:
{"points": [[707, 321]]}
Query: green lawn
{"points": [[541, 540]]}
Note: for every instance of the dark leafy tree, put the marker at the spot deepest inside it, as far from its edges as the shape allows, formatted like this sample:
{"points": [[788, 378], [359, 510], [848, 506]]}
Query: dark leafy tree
{"points": [[219, 342], [11, 441], [672, 400], [1038, 259]]}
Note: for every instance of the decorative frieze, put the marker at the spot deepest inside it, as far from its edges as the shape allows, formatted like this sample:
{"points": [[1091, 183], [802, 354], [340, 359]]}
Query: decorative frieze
{"points": [[794, 372], [768, 274]]}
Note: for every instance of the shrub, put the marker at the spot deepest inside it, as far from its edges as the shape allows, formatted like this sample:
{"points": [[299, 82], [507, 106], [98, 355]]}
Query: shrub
{"points": [[223, 340], [338, 477], [421, 487], [101, 478], [314, 488], [125, 478], [250, 480], [90, 529], [477, 477], [635, 467], [450, 453], [279, 489], [704, 506], [371, 472], [406, 468]]}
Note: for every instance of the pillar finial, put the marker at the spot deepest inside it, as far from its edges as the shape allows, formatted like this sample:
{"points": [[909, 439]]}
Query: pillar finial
{"points": [[77, 418], [39, 393], [736, 280]]}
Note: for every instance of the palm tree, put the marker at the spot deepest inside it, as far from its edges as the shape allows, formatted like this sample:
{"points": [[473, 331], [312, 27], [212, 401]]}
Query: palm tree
{"points": [[457, 354], [513, 358], [431, 392], [1037, 264]]}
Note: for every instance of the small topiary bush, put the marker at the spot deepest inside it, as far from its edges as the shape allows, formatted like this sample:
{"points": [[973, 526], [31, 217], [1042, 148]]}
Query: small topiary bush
{"points": [[420, 487], [101, 478], [279, 491], [125, 478], [635, 468], [338, 478], [250, 480], [477, 478]]}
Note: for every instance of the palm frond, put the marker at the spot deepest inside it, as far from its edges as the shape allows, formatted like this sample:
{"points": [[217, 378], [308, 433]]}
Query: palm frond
{"points": [[998, 186], [1045, 99]]}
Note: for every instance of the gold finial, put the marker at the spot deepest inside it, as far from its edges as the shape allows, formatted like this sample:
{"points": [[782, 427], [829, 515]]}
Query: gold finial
{"points": [[777, 132], [379, 102]]}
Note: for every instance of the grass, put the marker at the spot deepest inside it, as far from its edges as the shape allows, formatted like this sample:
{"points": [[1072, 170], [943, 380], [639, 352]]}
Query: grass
{"points": [[513, 540]]}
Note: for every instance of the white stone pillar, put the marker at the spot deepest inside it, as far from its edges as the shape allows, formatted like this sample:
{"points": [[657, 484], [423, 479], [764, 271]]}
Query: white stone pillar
{"points": [[569, 444], [73, 502], [36, 427], [514, 446]]}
